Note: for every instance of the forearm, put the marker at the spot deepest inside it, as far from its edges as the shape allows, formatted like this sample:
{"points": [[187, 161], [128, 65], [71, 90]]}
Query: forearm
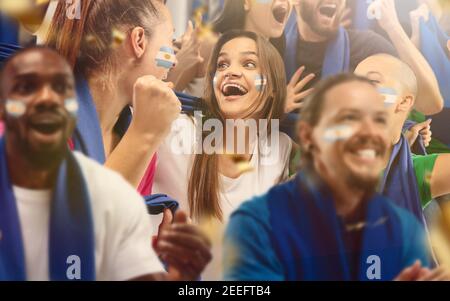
{"points": [[429, 100], [133, 154]]}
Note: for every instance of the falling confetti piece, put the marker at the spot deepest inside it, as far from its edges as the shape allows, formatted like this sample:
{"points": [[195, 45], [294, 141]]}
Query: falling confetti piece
{"points": [[117, 38]]}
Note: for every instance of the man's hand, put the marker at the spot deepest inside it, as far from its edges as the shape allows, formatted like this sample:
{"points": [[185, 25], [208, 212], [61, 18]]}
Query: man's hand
{"points": [[412, 273], [295, 93], [423, 129], [185, 249]]}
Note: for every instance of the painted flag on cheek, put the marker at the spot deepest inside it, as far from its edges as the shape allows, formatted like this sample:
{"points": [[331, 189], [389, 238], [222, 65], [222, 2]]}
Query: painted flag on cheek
{"points": [[260, 82], [390, 96], [338, 133], [15, 108], [165, 58]]}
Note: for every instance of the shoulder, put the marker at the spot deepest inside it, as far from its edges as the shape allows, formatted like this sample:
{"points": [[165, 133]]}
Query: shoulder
{"points": [[258, 208], [370, 42], [407, 221], [106, 187]]}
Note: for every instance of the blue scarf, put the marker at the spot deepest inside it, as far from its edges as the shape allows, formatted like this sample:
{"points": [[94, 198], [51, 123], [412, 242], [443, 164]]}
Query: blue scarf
{"points": [[71, 226], [87, 137], [9, 32], [399, 181], [337, 56], [316, 249], [419, 146]]}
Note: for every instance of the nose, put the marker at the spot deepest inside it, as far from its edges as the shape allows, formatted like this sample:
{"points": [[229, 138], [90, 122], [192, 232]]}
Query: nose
{"points": [[47, 99], [233, 72], [369, 128]]}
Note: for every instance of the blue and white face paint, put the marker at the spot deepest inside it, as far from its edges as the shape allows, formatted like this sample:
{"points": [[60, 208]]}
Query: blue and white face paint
{"points": [[165, 57], [338, 133], [15, 108], [260, 82], [390, 96], [264, 1], [71, 105]]}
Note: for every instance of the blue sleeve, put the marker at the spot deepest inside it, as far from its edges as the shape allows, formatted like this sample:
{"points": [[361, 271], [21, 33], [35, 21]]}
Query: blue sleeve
{"points": [[416, 246], [248, 252]]}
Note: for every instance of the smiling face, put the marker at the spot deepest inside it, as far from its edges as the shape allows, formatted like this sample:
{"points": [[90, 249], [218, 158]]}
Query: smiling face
{"points": [[236, 84], [350, 140], [40, 82], [267, 17], [322, 16]]}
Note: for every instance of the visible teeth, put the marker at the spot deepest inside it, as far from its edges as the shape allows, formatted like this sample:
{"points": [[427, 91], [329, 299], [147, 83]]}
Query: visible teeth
{"points": [[242, 89], [330, 6], [367, 153]]}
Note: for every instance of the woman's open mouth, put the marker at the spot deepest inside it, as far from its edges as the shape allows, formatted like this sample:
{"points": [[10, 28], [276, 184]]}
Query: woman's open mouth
{"points": [[280, 13], [233, 90]]}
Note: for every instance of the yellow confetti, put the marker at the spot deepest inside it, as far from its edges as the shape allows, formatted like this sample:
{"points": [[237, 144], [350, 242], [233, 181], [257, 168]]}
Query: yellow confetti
{"points": [[118, 38]]}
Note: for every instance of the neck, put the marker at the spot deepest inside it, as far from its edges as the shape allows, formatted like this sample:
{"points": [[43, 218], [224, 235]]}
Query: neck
{"points": [[23, 174], [306, 33], [109, 102], [396, 130], [346, 197], [250, 26]]}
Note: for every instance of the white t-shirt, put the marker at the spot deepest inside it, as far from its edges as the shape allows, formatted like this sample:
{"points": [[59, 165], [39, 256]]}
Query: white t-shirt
{"points": [[173, 173], [122, 227]]}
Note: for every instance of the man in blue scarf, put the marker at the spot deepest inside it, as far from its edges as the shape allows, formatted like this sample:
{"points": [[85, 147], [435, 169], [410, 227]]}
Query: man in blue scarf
{"points": [[317, 41], [411, 181], [63, 216], [328, 223]]}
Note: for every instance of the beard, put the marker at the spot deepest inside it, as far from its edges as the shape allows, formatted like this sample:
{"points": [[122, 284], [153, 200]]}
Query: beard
{"points": [[367, 184], [308, 14], [39, 157]]}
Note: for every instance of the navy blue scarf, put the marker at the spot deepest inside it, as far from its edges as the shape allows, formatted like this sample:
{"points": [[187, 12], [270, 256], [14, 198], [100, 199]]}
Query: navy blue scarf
{"points": [[309, 240], [399, 181], [71, 229], [337, 56]]}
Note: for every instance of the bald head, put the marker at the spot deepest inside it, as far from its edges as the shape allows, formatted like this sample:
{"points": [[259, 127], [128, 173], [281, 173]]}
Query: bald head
{"points": [[388, 70]]}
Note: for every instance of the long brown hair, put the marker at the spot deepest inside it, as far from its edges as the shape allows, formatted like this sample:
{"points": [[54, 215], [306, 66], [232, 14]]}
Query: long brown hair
{"points": [[86, 42], [204, 186]]}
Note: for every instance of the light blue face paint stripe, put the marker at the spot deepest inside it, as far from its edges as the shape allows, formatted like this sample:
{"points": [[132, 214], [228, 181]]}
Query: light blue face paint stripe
{"points": [[15, 108], [390, 95]]}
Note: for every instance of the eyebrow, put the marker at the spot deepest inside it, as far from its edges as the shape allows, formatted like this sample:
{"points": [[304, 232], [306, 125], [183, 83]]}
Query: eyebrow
{"points": [[244, 53], [33, 75]]}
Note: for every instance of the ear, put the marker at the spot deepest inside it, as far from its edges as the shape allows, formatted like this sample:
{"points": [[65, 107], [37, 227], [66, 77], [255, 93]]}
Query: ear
{"points": [[304, 134], [138, 41], [247, 5], [406, 103]]}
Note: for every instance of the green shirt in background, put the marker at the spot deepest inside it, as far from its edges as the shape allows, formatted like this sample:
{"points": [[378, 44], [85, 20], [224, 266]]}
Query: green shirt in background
{"points": [[423, 167]]}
